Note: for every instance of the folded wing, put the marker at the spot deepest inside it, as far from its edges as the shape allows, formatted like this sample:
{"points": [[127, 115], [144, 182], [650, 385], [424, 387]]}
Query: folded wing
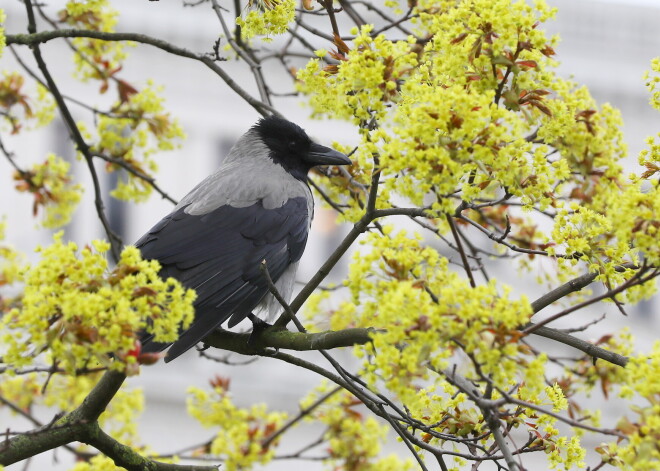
{"points": [[219, 254]]}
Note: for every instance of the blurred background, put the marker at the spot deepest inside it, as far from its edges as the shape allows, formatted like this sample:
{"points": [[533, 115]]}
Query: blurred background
{"points": [[605, 45]]}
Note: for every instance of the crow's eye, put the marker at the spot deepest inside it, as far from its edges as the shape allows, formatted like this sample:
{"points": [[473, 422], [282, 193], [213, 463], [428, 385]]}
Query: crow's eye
{"points": [[293, 145]]}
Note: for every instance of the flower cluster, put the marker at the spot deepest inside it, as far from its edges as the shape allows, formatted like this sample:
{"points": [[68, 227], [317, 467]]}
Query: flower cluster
{"points": [[3, 42], [94, 59], [353, 441], [18, 107], [653, 82], [427, 315], [242, 431], [402, 286], [138, 127], [53, 190], [466, 112], [75, 310], [10, 266], [650, 158], [454, 128], [611, 220], [270, 17], [641, 205], [639, 451], [626, 233], [468, 108]]}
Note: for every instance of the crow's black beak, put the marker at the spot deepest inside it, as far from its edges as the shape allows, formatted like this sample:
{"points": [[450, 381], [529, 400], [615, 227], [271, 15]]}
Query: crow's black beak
{"points": [[321, 155]]}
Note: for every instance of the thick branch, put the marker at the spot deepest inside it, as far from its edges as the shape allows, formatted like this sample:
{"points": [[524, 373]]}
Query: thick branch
{"points": [[274, 338], [100, 396], [48, 437], [128, 458], [72, 427], [502, 445], [81, 426], [45, 36], [571, 286]]}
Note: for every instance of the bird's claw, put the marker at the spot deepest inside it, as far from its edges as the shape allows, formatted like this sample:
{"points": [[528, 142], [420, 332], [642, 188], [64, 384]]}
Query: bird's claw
{"points": [[258, 326]]}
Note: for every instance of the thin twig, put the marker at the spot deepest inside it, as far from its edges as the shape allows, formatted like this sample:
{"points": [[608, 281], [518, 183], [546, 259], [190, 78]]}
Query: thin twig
{"points": [[359, 391], [76, 136], [244, 54], [134, 171], [636, 279], [589, 348], [34, 39], [461, 251], [331, 13], [300, 416]]}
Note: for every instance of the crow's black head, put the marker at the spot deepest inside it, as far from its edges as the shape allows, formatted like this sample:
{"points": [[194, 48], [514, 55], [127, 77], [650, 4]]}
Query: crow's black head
{"points": [[291, 148]]}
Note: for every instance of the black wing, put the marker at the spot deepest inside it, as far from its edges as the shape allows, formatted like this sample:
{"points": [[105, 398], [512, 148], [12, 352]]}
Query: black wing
{"points": [[219, 254]]}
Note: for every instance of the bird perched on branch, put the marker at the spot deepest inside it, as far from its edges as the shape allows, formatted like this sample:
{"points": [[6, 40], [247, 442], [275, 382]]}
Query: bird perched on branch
{"points": [[257, 206]]}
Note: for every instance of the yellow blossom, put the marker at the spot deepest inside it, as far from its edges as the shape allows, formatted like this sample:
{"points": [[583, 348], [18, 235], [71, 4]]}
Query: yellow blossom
{"points": [[653, 82], [2, 32], [557, 397], [138, 128], [353, 440], [270, 17], [241, 431], [97, 463], [10, 264], [75, 309], [94, 59], [17, 105], [53, 190]]}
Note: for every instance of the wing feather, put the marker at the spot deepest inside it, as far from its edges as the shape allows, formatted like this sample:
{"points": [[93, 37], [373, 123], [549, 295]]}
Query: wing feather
{"points": [[219, 254]]}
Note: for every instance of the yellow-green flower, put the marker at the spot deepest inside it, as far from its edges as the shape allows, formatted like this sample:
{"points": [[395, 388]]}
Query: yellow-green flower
{"points": [[241, 431], [270, 17], [53, 190], [76, 310]]}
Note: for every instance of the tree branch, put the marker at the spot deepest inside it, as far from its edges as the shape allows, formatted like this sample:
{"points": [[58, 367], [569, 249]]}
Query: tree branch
{"points": [[567, 288], [283, 339], [39, 440], [35, 39], [582, 345], [244, 54], [461, 251], [76, 136], [100, 396], [301, 415], [128, 458], [636, 279]]}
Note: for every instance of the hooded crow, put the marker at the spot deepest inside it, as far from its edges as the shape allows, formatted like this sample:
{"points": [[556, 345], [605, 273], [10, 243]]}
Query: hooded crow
{"points": [[257, 206]]}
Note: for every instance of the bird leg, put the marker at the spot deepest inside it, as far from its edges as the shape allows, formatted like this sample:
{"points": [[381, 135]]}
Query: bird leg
{"points": [[258, 326]]}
